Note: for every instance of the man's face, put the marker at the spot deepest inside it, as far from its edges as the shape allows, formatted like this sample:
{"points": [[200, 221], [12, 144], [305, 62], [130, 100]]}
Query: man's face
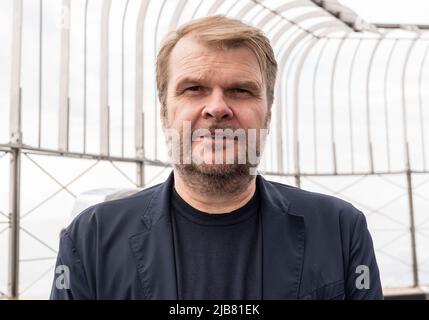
{"points": [[214, 88]]}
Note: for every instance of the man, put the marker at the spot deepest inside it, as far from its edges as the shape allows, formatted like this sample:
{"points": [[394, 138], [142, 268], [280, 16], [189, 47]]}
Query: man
{"points": [[215, 229]]}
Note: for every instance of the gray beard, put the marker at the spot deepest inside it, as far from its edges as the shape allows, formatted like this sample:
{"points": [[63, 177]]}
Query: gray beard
{"points": [[217, 179]]}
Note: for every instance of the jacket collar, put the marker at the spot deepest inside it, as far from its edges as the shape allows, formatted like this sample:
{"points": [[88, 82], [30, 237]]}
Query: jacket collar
{"points": [[283, 236]]}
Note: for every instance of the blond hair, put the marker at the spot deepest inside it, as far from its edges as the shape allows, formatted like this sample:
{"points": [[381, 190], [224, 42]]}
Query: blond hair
{"points": [[227, 33]]}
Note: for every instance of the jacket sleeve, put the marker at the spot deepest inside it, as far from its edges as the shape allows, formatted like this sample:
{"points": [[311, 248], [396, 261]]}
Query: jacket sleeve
{"points": [[70, 282], [363, 277]]}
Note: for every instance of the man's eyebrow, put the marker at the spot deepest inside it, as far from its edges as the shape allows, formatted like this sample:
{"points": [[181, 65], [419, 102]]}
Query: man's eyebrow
{"points": [[189, 80], [249, 85]]}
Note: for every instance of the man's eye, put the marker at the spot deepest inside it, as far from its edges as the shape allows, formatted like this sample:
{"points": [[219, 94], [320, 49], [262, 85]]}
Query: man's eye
{"points": [[194, 89], [240, 91]]}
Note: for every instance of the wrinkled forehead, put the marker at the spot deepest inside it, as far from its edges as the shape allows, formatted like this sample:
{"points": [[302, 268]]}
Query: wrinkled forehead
{"points": [[191, 56]]}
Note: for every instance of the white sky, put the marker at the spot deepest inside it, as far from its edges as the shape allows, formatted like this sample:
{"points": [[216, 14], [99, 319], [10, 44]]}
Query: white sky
{"points": [[391, 11]]}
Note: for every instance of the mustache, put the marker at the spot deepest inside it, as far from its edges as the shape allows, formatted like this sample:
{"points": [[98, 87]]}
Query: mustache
{"points": [[227, 132], [212, 128]]}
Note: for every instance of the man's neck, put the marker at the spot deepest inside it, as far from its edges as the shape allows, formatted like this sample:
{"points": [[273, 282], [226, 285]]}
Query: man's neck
{"points": [[217, 202]]}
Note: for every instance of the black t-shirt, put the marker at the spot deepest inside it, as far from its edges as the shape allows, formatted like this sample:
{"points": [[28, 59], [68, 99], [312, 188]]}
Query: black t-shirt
{"points": [[218, 256]]}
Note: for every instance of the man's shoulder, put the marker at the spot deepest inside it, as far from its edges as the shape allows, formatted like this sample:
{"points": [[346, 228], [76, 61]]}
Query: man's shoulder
{"points": [[310, 204], [121, 213]]}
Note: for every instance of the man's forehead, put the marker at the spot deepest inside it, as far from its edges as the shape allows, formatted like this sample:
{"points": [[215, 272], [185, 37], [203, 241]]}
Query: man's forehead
{"points": [[190, 44], [191, 54]]}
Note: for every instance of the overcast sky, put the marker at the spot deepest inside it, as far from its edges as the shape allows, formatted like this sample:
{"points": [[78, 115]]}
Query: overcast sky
{"points": [[391, 11]]}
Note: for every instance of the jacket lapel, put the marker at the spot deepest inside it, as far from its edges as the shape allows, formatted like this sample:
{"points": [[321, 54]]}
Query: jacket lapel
{"points": [[283, 239], [153, 248]]}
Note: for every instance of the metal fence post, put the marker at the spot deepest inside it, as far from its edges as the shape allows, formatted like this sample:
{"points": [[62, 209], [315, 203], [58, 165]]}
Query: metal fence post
{"points": [[15, 186], [412, 222]]}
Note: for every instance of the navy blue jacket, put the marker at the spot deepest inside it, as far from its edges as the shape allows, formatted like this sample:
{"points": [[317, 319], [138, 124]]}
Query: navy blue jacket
{"points": [[313, 248]]}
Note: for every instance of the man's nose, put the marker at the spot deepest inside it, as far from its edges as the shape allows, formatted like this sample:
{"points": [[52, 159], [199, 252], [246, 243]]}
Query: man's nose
{"points": [[217, 107]]}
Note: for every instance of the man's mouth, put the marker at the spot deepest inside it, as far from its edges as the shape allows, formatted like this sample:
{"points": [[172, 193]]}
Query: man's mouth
{"points": [[218, 138], [219, 134]]}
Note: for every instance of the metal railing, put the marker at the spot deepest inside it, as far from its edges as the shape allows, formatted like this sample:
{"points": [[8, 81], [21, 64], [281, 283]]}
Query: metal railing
{"points": [[316, 118]]}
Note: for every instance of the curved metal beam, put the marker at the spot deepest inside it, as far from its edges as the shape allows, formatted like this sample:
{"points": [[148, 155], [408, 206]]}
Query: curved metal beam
{"points": [[279, 125], [256, 14], [240, 15], [282, 8], [196, 10], [173, 24], [123, 76], [232, 6], [352, 65], [274, 25], [104, 79], [63, 121], [306, 16], [176, 15], [85, 45], [214, 7], [368, 113], [404, 102], [316, 71], [386, 109], [155, 44], [422, 65], [39, 116], [334, 70], [139, 93]]}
